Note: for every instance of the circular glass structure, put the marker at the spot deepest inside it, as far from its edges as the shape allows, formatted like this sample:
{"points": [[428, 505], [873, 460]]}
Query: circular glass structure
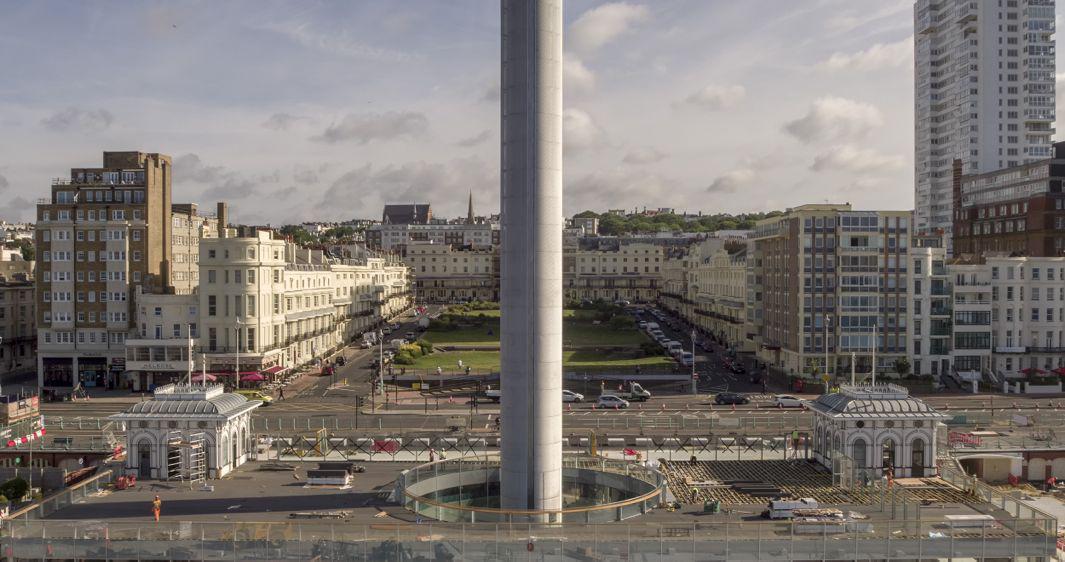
{"points": [[594, 489]]}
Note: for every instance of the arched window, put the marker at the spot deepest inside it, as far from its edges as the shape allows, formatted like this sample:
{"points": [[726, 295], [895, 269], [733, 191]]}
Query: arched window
{"points": [[917, 460], [858, 453], [889, 450]]}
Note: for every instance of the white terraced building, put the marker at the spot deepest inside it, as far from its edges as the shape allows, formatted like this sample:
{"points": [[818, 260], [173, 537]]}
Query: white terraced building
{"points": [[271, 306], [984, 93]]}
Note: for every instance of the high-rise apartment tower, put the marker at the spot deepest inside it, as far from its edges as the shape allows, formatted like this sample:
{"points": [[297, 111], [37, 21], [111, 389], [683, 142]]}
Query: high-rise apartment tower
{"points": [[983, 93]]}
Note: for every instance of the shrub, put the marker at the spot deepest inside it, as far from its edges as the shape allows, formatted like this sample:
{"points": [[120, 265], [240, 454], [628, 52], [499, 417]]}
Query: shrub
{"points": [[414, 350], [14, 489], [650, 348], [425, 346], [403, 358]]}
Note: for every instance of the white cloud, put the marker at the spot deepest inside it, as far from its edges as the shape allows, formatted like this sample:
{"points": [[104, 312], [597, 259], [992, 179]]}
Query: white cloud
{"points": [[283, 121], [850, 159], [224, 184], [306, 176], [876, 57], [579, 131], [367, 187], [603, 24], [336, 42], [576, 78], [76, 118], [367, 127], [619, 189], [644, 155], [716, 98], [475, 140], [832, 119], [731, 181]]}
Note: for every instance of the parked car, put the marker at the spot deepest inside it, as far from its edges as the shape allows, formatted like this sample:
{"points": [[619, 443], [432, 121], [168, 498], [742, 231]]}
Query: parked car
{"points": [[570, 396], [788, 401], [642, 324], [686, 358], [611, 401], [725, 398]]}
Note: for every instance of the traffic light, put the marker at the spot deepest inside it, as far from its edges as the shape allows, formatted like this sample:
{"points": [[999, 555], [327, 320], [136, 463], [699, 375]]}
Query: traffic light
{"points": [[360, 401]]}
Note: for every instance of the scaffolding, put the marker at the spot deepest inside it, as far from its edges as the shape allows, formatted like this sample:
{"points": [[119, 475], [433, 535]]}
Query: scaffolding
{"points": [[186, 457]]}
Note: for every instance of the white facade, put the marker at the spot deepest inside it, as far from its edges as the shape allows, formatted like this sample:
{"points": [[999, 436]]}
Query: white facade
{"points": [[157, 352], [878, 430], [1028, 301], [390, 237], [984, 93], [163, 433], [266, 303]]}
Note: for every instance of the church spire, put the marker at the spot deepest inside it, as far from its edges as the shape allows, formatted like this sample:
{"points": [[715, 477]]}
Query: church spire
{"points": [[469, 211]]}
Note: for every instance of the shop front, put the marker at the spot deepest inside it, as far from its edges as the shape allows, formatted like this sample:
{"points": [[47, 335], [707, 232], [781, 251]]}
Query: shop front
{"points": [[92, 371], [57, 373]]}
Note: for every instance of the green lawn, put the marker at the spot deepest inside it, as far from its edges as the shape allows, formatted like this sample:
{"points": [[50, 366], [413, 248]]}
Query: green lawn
{"points": [[489, 360], [576, 332]]}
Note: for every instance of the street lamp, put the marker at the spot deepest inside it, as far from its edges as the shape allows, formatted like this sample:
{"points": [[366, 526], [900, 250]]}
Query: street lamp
{"points": [[236, 367], [828, 320]]}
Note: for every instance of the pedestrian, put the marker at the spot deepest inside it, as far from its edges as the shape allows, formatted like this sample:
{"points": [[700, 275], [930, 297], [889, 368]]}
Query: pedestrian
{"points": [[432, 455], [460, 363], [157, 506], [281, 393], [439, 370]]}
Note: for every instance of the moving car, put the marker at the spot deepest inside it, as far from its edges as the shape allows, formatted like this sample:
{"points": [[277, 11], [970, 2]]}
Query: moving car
{"points": [[611, 401], [788, 401], [686, 358], [570, 396], [250, 394], [731, 398]]}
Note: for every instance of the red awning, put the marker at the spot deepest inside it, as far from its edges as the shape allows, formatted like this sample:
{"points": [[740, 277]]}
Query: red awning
{"points": [[273, 370], [1033, 371], [231, 373], [1060, 371]]}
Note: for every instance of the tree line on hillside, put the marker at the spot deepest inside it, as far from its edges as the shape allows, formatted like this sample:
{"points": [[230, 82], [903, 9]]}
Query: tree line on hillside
{"points": [[614, 225]]}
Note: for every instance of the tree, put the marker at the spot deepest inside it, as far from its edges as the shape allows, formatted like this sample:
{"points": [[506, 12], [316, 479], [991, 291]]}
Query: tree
{"points": [[14, 489], [298, 234], [339, 233], [902, 367], [586, 215], [25, 246]]}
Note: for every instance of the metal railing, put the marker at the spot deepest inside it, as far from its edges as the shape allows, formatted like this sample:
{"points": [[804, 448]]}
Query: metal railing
{"points": [[927, 537], [63, 498]]}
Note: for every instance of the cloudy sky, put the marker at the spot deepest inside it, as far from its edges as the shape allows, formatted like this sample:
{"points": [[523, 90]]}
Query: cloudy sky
{"points": [[312, 110]]}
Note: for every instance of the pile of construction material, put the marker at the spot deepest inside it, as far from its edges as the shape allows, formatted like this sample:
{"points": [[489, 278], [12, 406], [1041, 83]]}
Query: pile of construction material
{"points": [[333, 473]]}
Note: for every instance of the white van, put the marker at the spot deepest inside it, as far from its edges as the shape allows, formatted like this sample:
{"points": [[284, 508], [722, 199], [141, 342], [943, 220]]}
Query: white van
{"points": [[651, 326], [674, 347]]}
